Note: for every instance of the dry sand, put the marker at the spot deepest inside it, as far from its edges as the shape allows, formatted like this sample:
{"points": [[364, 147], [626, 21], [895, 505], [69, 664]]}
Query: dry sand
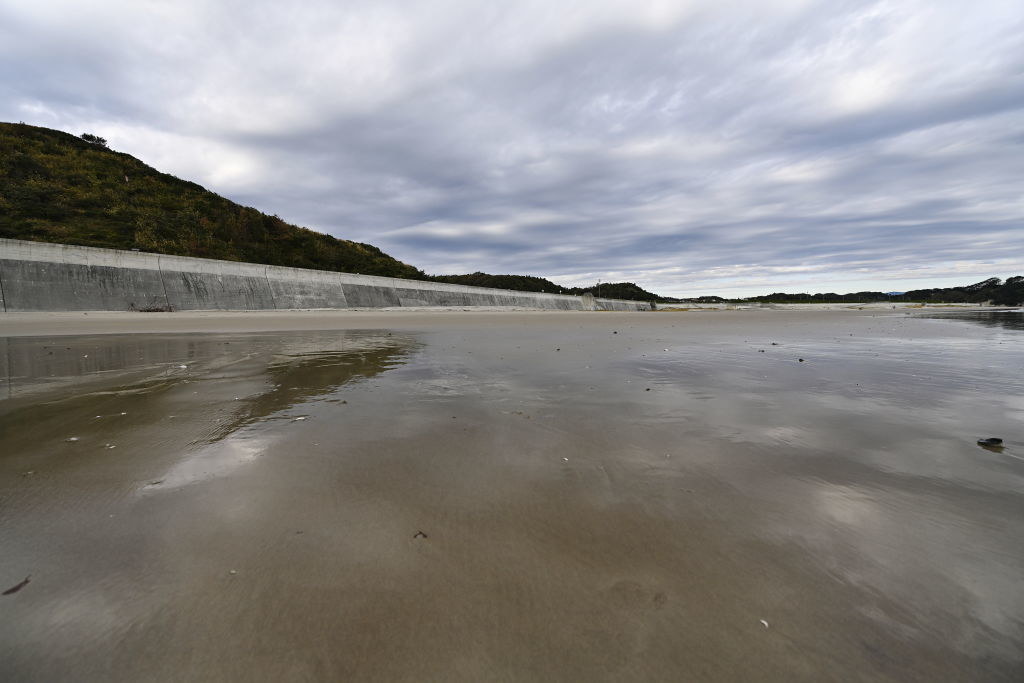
{"points": [[114, 322]]}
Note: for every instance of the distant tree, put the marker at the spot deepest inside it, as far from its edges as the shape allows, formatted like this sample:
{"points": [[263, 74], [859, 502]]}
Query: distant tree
{"points": [[94, 139], [1011, 293]]}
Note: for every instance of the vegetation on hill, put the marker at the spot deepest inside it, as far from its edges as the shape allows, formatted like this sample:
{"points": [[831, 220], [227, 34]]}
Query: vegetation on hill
{"points": [[1009, 293], [529, 283], [619, 290], [520, 283], [55, 187]]}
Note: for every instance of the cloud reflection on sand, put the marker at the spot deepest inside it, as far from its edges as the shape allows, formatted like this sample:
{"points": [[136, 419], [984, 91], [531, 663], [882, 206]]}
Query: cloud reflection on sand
{"points": [[298, 376]]}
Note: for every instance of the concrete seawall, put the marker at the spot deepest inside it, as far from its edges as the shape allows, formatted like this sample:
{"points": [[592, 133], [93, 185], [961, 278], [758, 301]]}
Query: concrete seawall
{"points": [[40, 276]]}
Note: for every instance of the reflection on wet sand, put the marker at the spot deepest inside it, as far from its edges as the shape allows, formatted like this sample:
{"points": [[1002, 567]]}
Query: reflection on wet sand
{"points": [[1011, 319], [299, 373], [619, 498], [275, 374]]}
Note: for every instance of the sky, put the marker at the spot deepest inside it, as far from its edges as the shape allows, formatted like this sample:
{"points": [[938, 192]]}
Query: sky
{"points": [[693, 147]]}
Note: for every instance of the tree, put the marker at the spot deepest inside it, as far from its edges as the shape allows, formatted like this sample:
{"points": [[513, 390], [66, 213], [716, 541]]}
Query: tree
{"points": [[1011, 293], [94, 139]]}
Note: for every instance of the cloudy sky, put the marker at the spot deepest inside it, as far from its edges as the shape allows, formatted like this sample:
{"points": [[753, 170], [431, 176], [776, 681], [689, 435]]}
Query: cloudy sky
{"points": [[694, 147]]}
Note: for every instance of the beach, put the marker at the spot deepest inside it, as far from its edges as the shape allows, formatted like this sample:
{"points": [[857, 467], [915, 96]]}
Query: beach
{"points": [[711, 495]]}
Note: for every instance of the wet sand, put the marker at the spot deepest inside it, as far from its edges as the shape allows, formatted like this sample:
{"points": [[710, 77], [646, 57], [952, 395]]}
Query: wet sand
{"points": [[511, 496]]}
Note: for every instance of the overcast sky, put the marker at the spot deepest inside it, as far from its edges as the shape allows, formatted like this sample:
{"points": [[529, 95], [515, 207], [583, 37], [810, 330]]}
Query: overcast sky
{"points": [[703, 147]]}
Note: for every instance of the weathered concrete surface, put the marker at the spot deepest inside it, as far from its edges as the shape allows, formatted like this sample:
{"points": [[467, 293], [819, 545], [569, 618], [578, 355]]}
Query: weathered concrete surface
{"points": [[196, 284], [299, 288], [39, 276], [41, 286]]}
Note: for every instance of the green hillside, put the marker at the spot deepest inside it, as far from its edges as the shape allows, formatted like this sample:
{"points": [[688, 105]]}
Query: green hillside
{"points": [[530, 283], [520, 283], [55, 187], [1000, 293]]}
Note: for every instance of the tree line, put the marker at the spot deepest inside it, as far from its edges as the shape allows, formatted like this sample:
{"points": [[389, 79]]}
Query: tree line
{"points": [[994, 290], [530, 283]]}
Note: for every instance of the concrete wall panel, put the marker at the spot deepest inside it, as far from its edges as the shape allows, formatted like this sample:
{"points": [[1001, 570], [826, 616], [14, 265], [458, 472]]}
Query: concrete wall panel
{"points": [[191, 291], [297, 288], [370, 296], [42, 286]]}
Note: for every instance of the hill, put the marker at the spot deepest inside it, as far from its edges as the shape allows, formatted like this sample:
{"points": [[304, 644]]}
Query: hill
{"points": [[1009, 293], [55, 187], [530, 283], [521, 283]]}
